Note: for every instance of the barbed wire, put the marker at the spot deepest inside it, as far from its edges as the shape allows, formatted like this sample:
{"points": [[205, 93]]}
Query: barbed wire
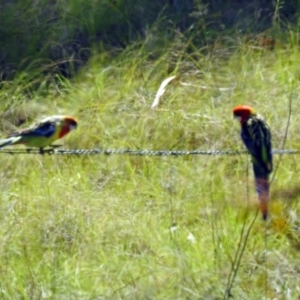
{"points": [[143, 152]]}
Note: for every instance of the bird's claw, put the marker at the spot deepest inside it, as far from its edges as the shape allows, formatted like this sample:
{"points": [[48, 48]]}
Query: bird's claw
{"points": [[50, 150]]}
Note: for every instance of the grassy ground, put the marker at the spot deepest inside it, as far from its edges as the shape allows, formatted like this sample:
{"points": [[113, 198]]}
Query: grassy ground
{"points": [[124, 227]]}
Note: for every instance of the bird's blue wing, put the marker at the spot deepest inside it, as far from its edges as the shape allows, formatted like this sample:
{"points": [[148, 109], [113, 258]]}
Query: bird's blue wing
{"points": [[41, 130], [45, 130]]}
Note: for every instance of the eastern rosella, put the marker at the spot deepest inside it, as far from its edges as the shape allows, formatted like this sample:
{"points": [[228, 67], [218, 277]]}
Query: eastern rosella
{"points": [[256, 136], [43, 133]]}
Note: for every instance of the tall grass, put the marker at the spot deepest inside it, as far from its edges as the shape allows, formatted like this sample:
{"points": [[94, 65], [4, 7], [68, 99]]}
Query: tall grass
{"points": [[58, 35], [124, 227]]}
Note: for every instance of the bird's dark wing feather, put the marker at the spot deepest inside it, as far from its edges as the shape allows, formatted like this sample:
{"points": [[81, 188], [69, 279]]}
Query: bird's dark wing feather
{"points": [[257, 138]]}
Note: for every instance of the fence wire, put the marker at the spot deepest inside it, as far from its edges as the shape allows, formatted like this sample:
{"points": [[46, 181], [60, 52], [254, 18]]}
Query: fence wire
{"points": [[143, 152]]}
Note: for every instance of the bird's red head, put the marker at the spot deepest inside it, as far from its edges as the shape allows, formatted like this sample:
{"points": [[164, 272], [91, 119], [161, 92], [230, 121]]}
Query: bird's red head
{"points": [[69, 123], [243, 113]]}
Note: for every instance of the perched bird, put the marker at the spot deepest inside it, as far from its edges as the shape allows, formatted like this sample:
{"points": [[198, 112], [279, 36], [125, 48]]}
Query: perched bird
{"points": [[43, 133], [256, 136]]}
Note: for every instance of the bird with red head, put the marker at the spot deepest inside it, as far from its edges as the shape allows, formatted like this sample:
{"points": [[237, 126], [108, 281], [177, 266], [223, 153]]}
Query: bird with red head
{"points": [[43, 133], [256, 135]]}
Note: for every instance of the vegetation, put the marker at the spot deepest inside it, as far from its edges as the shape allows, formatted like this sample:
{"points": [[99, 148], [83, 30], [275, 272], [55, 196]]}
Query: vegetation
{"points": [[60, 36], [128, 227]]}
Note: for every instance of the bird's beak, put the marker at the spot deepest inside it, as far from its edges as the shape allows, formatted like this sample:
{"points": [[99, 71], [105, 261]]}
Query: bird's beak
{"points": [[73, 127], [72, 124], [238, 118]]}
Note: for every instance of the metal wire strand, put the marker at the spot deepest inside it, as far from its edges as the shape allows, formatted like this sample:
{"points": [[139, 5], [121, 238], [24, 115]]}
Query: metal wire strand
{"points": [[143, 152]]}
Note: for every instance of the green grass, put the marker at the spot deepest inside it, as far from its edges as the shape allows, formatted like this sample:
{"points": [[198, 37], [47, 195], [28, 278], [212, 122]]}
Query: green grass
{"points": [[124, 227]]}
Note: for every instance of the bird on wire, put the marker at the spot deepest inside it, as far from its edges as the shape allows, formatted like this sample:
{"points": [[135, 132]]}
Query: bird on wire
{"points": [[42, 134], [256, 135]]}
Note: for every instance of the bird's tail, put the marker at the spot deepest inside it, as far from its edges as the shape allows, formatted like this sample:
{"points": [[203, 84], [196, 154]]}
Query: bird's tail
{"points": [[10, 141], [262, 186]]}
